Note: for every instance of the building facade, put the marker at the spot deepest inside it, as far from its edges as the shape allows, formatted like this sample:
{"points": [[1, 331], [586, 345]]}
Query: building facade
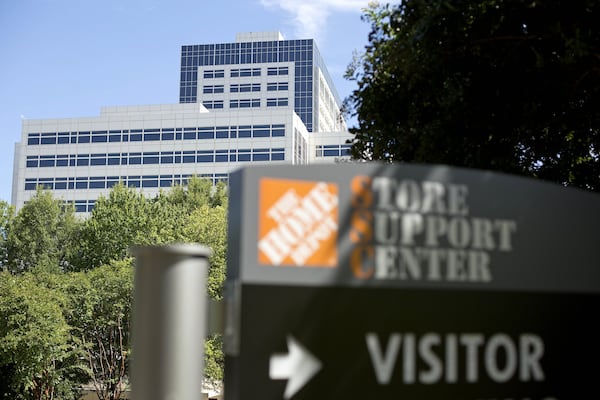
{"points": [[260, 99]]}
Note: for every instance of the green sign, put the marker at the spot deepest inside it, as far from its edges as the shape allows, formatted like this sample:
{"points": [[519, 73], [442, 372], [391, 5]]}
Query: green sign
{"points": [[427, 282]]}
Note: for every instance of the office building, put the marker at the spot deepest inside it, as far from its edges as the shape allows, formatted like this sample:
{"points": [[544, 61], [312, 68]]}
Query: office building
{"points": [[260, 99]]}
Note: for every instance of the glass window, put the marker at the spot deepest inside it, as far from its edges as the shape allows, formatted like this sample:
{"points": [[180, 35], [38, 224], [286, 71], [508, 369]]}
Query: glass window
{"points": [[205, 157], [151, 158], [98, 159], [278, 154], [278, 130], [261, 132], [260, 157], [244, 157], [46, 161], [81, 161], [60, 185], [150, 181], [63, 137], [133, 181], [32, 162], [222, 132], [99, 137], [114, 159], [244, 131], [189, 135], [168, 135], [166, 159], [97, 183], [112, 181], [48, 138], [135, 137], [33, 140], [151, 136], [135, 158], [206, 133], [30, 184]]}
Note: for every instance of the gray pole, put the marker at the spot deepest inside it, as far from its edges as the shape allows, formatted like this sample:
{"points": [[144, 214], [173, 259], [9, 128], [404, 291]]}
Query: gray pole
{"points": [[169, 322]]}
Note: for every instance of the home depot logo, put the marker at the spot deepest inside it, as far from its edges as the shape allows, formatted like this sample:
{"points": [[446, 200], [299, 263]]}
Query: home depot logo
{"points": [[298, 223]]}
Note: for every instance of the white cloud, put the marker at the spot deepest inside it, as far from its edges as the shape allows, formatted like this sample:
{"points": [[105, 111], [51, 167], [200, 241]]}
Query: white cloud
{"points": [[309, 17]]}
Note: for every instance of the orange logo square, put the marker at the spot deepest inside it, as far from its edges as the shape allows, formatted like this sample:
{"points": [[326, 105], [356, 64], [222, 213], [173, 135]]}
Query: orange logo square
{"points": [[298, 223]]}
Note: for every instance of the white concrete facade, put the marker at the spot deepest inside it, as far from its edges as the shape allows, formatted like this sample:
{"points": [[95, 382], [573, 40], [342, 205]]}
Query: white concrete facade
{"points": [[152, 147]]}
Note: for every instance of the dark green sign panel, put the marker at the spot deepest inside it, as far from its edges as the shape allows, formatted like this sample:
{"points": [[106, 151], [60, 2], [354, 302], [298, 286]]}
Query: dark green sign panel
{"points": [[413, 282]]}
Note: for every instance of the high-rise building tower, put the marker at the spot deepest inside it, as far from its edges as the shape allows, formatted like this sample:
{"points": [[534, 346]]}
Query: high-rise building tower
{"points": [[262, 70], [260, 99]]}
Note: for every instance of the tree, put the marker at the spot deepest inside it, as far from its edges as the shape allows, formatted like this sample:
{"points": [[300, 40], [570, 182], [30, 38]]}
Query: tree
{"points": [[99, 312], [6, 216], [208, 225], [508, 85], [38, 357], [117, 222], [41, 235]]}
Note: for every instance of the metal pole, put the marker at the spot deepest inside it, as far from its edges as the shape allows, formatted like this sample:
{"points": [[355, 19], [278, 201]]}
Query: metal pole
{"points": [[169, 322]]}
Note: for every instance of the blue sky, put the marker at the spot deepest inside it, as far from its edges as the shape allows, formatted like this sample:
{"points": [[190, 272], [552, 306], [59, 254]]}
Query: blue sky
{"points": [[68, 58]]}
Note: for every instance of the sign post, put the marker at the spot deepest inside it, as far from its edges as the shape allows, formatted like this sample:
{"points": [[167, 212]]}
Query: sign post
{"points": [[414, 282]]}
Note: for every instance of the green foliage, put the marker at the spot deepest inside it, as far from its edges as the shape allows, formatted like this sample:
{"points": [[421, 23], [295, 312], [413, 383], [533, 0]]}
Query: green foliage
{"points": [[37, 351], [77, 324], [208, 225], [214, 361], [118, 221], [6, 216], [501, 85], [99, 312], [41, 235]]}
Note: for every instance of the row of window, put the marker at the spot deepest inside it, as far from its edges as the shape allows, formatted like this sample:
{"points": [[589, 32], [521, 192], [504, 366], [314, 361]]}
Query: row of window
{"points": [[155, 134], [107, 182], [244, 72], [245, 53], [162, 157], [243, 88], [246, 103], [333, 150]]}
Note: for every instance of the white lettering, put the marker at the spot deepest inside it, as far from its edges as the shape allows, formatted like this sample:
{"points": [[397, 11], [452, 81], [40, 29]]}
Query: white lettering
{"points": [[383, 364], [432, 357]]}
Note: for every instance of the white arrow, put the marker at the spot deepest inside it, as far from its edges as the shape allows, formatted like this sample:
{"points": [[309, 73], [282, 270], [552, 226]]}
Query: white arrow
{"points": [[298, 366]]}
